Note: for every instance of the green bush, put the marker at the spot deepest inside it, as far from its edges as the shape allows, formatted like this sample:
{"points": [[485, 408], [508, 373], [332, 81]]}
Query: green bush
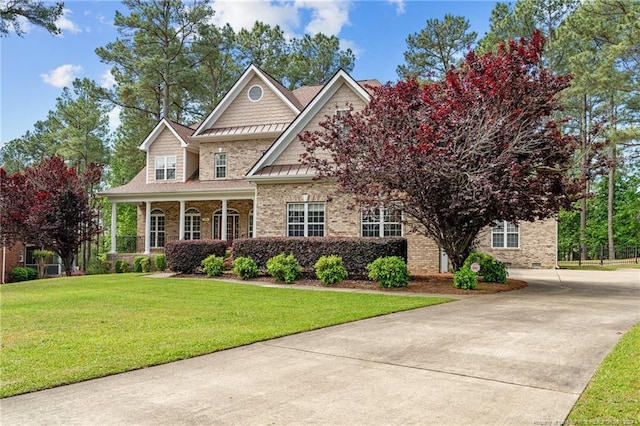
{"points": [[21, 273], [213, 265], [98, 266], [491, 269], [330, 269], [145, 264], [465, 279], [186, 256], [389, 272], [137, 263], [245, 268], [160, 260], [121, 266], [284, 268]]}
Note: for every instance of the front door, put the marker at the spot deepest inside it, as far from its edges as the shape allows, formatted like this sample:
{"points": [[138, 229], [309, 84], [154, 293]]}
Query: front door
{"points": [[233, 219]]}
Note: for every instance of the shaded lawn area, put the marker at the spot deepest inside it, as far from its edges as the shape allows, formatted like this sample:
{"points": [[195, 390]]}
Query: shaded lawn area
{"points": [[65, 330], [613, 394]]}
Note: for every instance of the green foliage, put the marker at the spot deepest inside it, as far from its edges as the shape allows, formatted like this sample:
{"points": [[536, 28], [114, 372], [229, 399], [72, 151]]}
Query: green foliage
{"points": [[245, 268], [160, 260], [122, 266], [213, 265], [41, 257], [15, 14], [145, 264], [491, 269], [22, 273], [465, 279], [389, 272], [137, 263], [99, 266], [284, 268], [330, 269]]}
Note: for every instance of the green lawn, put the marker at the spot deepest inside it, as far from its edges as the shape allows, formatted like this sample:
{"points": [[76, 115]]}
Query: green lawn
{"points": [[65, 330], [613, 395], [594, 265]]}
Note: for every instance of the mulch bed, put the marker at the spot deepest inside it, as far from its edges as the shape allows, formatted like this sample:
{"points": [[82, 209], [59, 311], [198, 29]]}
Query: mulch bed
{"points": [[423, 283]]}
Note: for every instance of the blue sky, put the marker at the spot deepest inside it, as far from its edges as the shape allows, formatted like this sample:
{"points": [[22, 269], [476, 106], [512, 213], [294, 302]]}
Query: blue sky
{"points": [[36, 67]]}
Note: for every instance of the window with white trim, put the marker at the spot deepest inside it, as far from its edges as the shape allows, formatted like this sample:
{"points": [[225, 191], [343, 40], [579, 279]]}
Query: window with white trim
{"points": [[381, 222], [250, 224], [305, 220], [341, 114], [192, 224], [166, 167], [157, 228], [505, 235], [220, 163]]}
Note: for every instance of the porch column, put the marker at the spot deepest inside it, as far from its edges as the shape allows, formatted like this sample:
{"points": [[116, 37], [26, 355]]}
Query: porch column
{"points": [[223, 225], [255, 214], [147, 228], [181, 232], [114, 221]]}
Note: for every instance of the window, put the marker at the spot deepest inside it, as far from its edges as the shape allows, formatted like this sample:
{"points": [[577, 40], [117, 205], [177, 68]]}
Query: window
{"points": [[381, 222], [192, 224], [166, 168], [305, 220], [250, 225], [233, 220], [255, 93], [157, 228], [341, 114], [505, 235], [220, 161]]}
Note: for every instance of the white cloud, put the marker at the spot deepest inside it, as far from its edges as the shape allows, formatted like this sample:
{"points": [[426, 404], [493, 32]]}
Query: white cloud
{"points": [[66, 25], [399, 6], [326, 16], [106, 80], [62, 76], [114, 118], [350, 44]]}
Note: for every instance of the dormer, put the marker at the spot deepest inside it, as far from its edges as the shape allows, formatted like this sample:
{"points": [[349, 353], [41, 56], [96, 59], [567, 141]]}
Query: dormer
{"points": [[172, 156]]}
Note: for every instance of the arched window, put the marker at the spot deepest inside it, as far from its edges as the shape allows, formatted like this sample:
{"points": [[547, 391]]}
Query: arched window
{"points": [[157, 228], [192, 224], [233, 220]]}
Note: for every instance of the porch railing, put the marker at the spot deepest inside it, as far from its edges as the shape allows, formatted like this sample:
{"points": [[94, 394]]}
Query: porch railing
{"points": [[135, 243], [599, 255]]}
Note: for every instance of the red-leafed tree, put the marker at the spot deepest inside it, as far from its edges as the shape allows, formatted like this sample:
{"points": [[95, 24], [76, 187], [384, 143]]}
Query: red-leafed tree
{"points": [[50, 205], [458, 154]]}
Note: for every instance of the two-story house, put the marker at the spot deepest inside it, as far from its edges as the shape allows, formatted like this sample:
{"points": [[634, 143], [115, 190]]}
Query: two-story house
{"points": [[237, 174]]}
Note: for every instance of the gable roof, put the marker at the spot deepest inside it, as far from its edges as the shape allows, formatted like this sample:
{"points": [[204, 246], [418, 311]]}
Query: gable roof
{"points": [[323, 96], [182, 133], [280, 91]]}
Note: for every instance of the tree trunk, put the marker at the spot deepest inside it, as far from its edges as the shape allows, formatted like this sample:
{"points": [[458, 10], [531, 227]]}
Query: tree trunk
{"points": [[612, 182], [585, 170]]}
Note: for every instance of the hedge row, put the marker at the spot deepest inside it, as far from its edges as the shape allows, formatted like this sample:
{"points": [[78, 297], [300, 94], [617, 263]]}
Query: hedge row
{"points": [[186, 256], [356, 253]]}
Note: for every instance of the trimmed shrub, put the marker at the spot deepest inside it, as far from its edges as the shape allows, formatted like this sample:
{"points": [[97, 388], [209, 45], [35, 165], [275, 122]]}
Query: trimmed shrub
{"points": [[41, 257], [284, 267], [121, 266], [98, 266], [186, 256], [245, 268], [465, 279], [212, 265], [330, 269], [389, 272], [137, 267], [491, 269], [145, 264], [356, 252], [22, 273], [160, 261]]}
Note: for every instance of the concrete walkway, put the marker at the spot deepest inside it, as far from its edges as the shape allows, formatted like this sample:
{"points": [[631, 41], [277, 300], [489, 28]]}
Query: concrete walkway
{"points": [[522, 357]]}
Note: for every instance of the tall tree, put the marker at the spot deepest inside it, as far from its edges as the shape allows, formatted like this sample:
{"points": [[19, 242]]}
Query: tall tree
{"points": [[34, 146], [432, 51], [49, 205], [263, 46], [315, 59], [12, 12], [460, 153]]}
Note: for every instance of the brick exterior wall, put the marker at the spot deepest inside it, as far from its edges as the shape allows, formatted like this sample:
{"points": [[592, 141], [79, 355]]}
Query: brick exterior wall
{"points": [[537, 245], [11, 259], [241, 156]]}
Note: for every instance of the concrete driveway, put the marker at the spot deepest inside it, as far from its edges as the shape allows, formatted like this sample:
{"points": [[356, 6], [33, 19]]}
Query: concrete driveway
{"points": [[522, 357]]}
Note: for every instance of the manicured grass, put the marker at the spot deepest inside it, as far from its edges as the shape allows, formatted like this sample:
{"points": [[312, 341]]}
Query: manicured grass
{"points": [[596, 266], [65, 330], [614, 391]]}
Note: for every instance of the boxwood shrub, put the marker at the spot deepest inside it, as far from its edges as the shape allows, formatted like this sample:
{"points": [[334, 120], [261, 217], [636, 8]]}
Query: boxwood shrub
{"points": [[22, 273], [491, 269], [186, 256], [356, 253]]}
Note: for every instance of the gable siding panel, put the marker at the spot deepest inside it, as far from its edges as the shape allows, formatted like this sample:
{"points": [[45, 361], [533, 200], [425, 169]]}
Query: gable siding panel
{"points": [[340, 100], [165, 144], [243, 112]]}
